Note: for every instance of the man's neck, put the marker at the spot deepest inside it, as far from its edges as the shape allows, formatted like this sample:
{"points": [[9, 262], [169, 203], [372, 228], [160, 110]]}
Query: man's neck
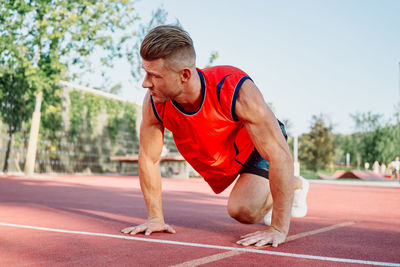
{"points": [[190, 100]]}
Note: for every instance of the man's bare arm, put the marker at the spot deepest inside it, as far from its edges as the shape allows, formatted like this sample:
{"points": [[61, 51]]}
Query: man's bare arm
{"points": [[263, 128], [151, 142]]}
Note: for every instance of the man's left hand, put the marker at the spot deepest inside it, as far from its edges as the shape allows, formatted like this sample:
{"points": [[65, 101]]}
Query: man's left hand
{"points": [[261, 238]]}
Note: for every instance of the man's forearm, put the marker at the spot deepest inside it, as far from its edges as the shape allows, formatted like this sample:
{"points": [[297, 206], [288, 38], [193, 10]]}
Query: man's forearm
{"points": [[281, 184], [150, 184]]}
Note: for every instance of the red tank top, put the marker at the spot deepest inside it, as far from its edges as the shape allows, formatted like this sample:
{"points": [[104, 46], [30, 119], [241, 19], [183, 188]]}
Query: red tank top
{"points": [[212, 139]]}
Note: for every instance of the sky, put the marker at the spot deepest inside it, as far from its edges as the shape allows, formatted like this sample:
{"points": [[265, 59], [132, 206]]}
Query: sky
{"points": [[307, 57]]}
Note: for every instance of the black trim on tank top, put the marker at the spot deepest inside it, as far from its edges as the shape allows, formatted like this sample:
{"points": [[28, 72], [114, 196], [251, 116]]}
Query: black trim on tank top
{"points": [[237, 153], [155, 110], [235, 94], [203, 94], [219, 86]]}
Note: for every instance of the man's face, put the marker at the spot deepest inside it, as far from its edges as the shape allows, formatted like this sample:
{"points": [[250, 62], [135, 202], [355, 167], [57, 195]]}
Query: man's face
{"points": [[162, 83]]}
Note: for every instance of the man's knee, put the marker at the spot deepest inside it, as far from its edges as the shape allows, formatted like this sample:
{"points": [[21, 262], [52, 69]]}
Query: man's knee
{"points": [[244, 214]]}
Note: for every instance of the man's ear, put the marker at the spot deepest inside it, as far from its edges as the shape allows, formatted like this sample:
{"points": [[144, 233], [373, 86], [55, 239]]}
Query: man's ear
{"points": [[185, 75]]}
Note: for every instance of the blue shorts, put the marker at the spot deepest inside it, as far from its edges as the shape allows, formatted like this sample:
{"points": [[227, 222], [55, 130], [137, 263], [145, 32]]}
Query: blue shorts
{"points": [[256, 164]]}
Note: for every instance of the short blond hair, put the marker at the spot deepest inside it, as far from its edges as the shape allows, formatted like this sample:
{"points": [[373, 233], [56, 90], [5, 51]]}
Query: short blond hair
{"points": [[171, 43]]}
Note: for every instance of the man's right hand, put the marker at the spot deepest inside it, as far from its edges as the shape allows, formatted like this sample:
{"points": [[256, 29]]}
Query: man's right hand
{"points": [[149, 227]]}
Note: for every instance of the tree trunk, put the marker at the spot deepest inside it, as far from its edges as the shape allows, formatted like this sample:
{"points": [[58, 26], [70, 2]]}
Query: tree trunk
{"points": [[5, 166]]}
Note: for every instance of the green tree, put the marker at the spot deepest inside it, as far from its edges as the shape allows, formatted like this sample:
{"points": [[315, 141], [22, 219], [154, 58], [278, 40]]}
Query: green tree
{"points": [[387, 145], [55, 34], [14, 107], [41, 39], [343, 144], [316, 147], [376, 139]]}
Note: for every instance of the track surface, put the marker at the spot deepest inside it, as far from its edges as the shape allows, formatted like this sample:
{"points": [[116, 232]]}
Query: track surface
{"points": [[75, 220]]}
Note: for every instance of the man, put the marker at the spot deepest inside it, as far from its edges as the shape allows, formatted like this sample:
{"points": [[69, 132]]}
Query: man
{"points": [[223, 128]]}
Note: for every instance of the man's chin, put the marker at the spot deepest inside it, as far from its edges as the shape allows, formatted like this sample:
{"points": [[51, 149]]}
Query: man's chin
{"points": [[159, 100]]}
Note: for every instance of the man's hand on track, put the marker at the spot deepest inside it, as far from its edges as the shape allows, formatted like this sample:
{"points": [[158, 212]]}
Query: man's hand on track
{"points": [[149, 227], [261, 238]]}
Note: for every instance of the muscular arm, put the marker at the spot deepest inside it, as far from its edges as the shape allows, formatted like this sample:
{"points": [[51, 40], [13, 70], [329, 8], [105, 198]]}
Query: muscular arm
{"points": [[266, 135], [151, 142]]}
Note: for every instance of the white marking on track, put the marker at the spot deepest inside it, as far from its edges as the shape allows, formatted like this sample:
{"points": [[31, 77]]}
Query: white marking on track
{"points": [[188, 244], [317, 231], [223, 255]]}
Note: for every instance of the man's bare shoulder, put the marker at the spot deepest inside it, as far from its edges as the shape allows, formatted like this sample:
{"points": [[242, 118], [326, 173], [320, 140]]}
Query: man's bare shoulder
{"points": [[250, 103]]}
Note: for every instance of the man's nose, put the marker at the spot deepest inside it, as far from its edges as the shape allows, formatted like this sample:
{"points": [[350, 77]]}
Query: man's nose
{"points": [[147, 83]]}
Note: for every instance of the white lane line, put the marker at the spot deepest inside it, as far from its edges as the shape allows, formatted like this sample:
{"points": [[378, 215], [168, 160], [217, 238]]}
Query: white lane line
{"points": [[317, 231], [266, 252], [223, 255], [208, 259]]}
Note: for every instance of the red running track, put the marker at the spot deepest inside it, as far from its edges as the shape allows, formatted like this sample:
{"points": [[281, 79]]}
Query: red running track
{"points": [[75, 220]]}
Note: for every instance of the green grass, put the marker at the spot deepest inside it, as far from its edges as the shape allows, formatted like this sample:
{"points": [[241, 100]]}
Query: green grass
{"points": [[312, 175]]}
